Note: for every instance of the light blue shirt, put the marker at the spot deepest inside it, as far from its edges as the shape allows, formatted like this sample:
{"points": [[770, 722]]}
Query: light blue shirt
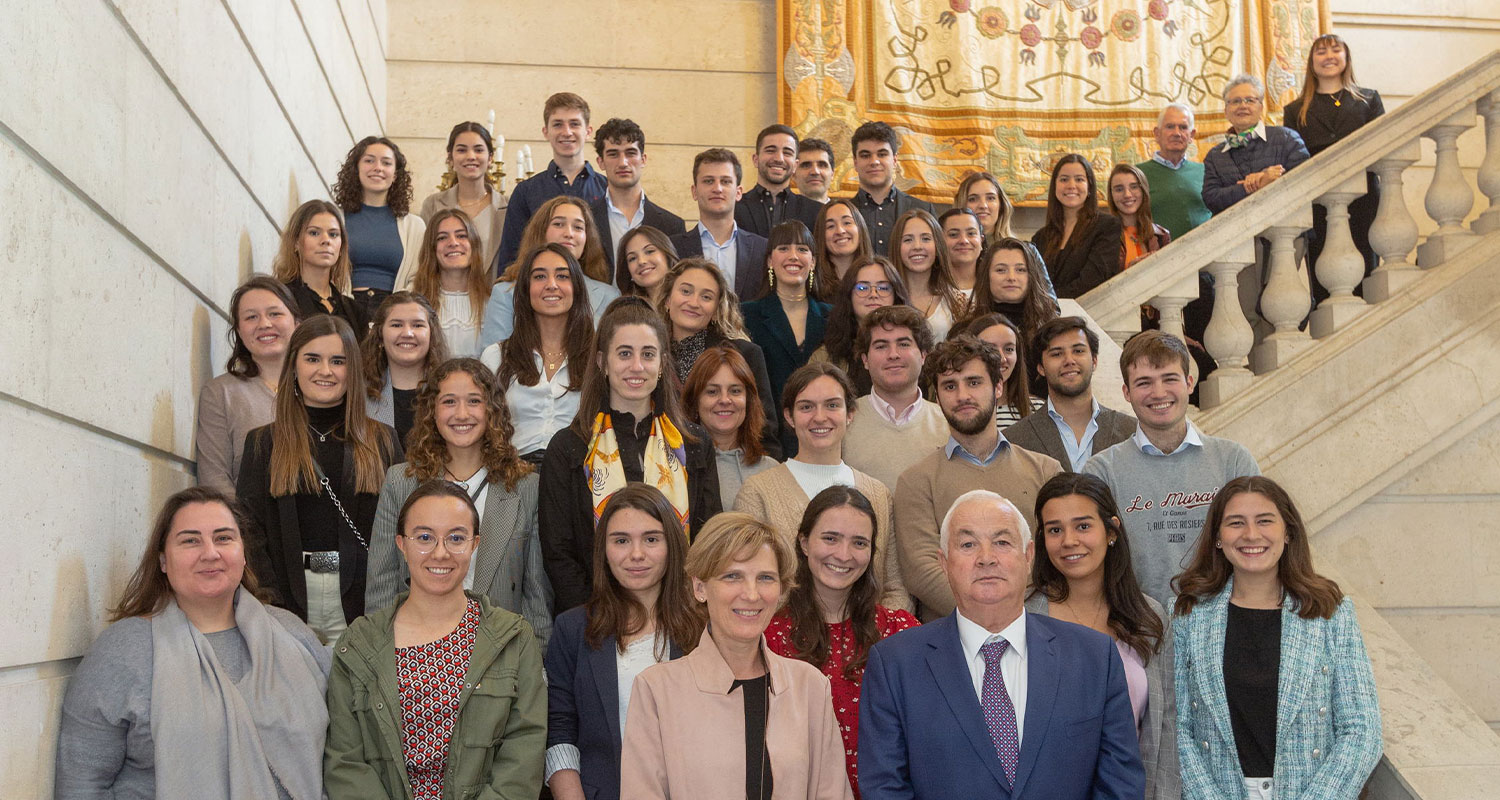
{"points": [[1078, 450], [954, 447], [618, 224], [1160, 159], [722, 255], [1193, 439]]}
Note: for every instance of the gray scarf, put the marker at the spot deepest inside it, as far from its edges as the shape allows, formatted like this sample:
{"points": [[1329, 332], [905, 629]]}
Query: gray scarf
{"points": [[217, 739]]}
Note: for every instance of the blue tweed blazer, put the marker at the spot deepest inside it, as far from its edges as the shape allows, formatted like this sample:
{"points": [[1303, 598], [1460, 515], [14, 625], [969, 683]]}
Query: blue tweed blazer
{"points": [[1223, 168], [1327, 715]]}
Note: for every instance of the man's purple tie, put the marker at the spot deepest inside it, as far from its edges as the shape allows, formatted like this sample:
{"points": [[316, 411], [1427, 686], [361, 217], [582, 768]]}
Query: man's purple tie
{"points": [[999, 713]]}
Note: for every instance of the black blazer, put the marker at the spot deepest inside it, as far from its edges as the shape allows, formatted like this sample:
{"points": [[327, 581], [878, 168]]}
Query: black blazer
{"points": [[766, 322], [566, 508], [655, 216], [749, 259], [583, 702], [750, 211], [309, 305], [275, 548], [1086, 261], [1038, 433]]}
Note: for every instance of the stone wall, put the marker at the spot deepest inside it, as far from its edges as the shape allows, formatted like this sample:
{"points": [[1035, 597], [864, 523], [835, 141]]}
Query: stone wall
{"points": [[150, 152]]}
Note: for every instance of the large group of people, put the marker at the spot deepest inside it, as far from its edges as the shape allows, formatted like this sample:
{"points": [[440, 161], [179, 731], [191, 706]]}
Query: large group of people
{"points": [[551, 493]]}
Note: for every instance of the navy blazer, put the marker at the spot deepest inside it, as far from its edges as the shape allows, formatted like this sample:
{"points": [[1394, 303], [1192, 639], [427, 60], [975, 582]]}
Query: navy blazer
{"points": [[749, 259], [766, 322], [1223, 168], [583, 702], [751, 215], [654, 215], [922, 733]]}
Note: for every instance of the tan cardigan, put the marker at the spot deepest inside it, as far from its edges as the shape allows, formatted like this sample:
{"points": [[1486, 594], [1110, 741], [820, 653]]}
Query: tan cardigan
{"points": [[775, 498], [489, 234], [685, 733]]}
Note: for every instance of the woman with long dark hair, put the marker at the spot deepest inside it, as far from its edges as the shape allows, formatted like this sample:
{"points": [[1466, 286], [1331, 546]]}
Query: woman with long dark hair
{"points": [[719, 395], [195, 683], [868, 285], [1129, 197], [1005, 336], [789, 322], [540, 368], [469, 154], [964, 236], [311, 480], [641, 612], [1084, 575], [313, 261], [629, 427], [920, 255], [842, 240], [641, 264], [1080, 246], [1331, 107], [374, 191], [452, 275], [463, 435], [440, 694], [832, 616], [1009, 284], [404, 342], [1278, 696], [244, 397]]}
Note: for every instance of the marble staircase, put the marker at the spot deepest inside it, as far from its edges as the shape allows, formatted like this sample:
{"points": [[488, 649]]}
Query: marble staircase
{"points": [[1381, 414]]}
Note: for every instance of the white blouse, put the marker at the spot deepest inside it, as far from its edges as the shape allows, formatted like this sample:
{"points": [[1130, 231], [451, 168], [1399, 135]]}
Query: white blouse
{"points": [[460, 329], [536, 412]]}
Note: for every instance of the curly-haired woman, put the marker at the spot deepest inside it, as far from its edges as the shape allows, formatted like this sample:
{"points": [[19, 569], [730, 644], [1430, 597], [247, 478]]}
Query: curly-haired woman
{"points": [[374, 191]]}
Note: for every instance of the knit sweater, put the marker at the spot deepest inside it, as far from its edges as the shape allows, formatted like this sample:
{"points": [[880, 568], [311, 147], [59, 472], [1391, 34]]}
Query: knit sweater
{"points": [[775, 498], [1176, 195], [882, 449], [1165, 500], [924, 494]]}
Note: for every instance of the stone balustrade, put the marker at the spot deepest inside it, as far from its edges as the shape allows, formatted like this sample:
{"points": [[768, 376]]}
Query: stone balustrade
{"points": [[1262, 316]]}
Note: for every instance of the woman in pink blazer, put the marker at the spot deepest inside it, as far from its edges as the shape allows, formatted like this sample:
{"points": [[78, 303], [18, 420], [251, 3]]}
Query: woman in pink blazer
{"points": [[731, 719]]}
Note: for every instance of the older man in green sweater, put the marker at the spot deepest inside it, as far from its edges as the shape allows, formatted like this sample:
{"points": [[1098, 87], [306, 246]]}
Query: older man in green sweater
{"points": [[967, 374], [1175, 183]]}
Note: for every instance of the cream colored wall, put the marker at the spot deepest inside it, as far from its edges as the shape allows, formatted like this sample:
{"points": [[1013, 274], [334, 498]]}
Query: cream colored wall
{"points": [[149, 153]]}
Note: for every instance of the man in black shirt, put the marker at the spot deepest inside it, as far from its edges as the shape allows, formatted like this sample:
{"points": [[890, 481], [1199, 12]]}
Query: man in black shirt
{"points": [[875, 145], [772, 201]]}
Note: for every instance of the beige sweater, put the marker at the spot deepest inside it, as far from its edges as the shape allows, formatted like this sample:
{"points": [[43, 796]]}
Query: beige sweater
{"points": [[878, 447], [926, 491], [775, 498]]}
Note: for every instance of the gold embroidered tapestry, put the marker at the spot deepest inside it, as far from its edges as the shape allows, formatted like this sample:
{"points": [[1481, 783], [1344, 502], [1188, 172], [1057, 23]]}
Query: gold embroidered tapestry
{"points": [[1010, 85]]}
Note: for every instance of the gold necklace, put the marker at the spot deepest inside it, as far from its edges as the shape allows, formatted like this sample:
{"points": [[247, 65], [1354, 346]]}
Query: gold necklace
{"points": [[1102, 608], [557, 359]]}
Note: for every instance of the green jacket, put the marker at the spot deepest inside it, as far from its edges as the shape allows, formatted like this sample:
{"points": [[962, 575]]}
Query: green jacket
{"points": [[499, 740]]}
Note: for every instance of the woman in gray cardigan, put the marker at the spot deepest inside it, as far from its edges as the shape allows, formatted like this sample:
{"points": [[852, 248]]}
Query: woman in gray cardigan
{"points": [[197, 689], [462, 433], [264, 314], [1083, 575]]}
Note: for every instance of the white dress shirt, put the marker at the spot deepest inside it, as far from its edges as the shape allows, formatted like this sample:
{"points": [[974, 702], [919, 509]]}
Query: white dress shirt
{"points": [[536, 412], [972, 636]]}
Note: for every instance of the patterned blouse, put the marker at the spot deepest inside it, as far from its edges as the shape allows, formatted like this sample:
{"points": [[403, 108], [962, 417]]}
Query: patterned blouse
{"points": [[841, 652], [429, 680]]}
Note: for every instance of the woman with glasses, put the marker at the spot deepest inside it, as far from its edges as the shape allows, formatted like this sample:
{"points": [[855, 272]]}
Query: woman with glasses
{"points": [[1254, 155], [441, 694], [463, 434], [868, 285]]}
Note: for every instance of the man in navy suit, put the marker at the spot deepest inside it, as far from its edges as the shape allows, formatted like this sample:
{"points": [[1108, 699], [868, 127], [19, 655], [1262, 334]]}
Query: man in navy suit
{"points": [[991, 701], [621, 145], [739, 254]]}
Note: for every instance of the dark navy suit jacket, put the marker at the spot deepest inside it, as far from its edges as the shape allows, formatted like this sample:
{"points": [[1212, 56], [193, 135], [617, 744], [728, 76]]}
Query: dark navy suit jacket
{"points": [[654, 215], [751, 213], [749, 259], [922, 733], [583, 702], [1223, 168]]}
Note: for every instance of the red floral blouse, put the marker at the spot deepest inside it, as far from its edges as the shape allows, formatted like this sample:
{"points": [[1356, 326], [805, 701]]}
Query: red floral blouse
{"points": [[841, 652], [429, 680]]}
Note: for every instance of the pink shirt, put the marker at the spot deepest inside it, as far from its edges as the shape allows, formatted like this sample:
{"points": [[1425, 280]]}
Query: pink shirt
{"points": [[1135, 680]]}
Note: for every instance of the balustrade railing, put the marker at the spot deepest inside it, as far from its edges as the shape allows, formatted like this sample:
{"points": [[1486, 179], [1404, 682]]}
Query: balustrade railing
{"points": [[1262, 316]]}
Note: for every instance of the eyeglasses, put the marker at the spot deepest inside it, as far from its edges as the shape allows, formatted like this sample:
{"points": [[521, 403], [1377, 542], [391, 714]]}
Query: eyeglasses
{"points": [[455, 543], [1242, 101], [882, 288]]}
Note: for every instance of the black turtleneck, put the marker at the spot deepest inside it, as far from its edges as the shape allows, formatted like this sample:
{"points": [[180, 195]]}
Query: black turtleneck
{"points": [[319, 520], [1015, 312]]}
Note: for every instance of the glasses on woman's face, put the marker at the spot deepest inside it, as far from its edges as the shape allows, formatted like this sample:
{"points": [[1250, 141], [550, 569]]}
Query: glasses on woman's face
{"points": [[881, 289], [455, 543]]}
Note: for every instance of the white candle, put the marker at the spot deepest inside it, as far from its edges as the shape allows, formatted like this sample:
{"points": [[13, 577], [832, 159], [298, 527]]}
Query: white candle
{"points": [[530, 165], [520, 162], [490, 124], [499, 143]]}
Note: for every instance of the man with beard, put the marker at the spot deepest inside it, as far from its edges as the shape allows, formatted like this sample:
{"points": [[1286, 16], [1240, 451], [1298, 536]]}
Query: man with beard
{"points": [[772, 201], [1075, 425], [967, 375]]}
